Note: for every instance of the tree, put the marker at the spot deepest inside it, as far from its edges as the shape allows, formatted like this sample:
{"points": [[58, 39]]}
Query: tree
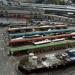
{"points": [[56, 2]]}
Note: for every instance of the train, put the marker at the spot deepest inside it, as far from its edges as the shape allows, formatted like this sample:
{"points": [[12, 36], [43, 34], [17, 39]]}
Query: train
{"points": [[55, 45], [16, 35], [10, 14], [46, 39], [69, 20], [35, 28]]}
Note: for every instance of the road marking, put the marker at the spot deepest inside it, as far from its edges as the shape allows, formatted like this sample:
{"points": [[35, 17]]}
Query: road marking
{"points": [[1, 49]]}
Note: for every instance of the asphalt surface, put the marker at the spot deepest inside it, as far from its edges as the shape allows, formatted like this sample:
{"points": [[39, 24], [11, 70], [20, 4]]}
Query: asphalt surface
{"points": [[8, 64]]}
